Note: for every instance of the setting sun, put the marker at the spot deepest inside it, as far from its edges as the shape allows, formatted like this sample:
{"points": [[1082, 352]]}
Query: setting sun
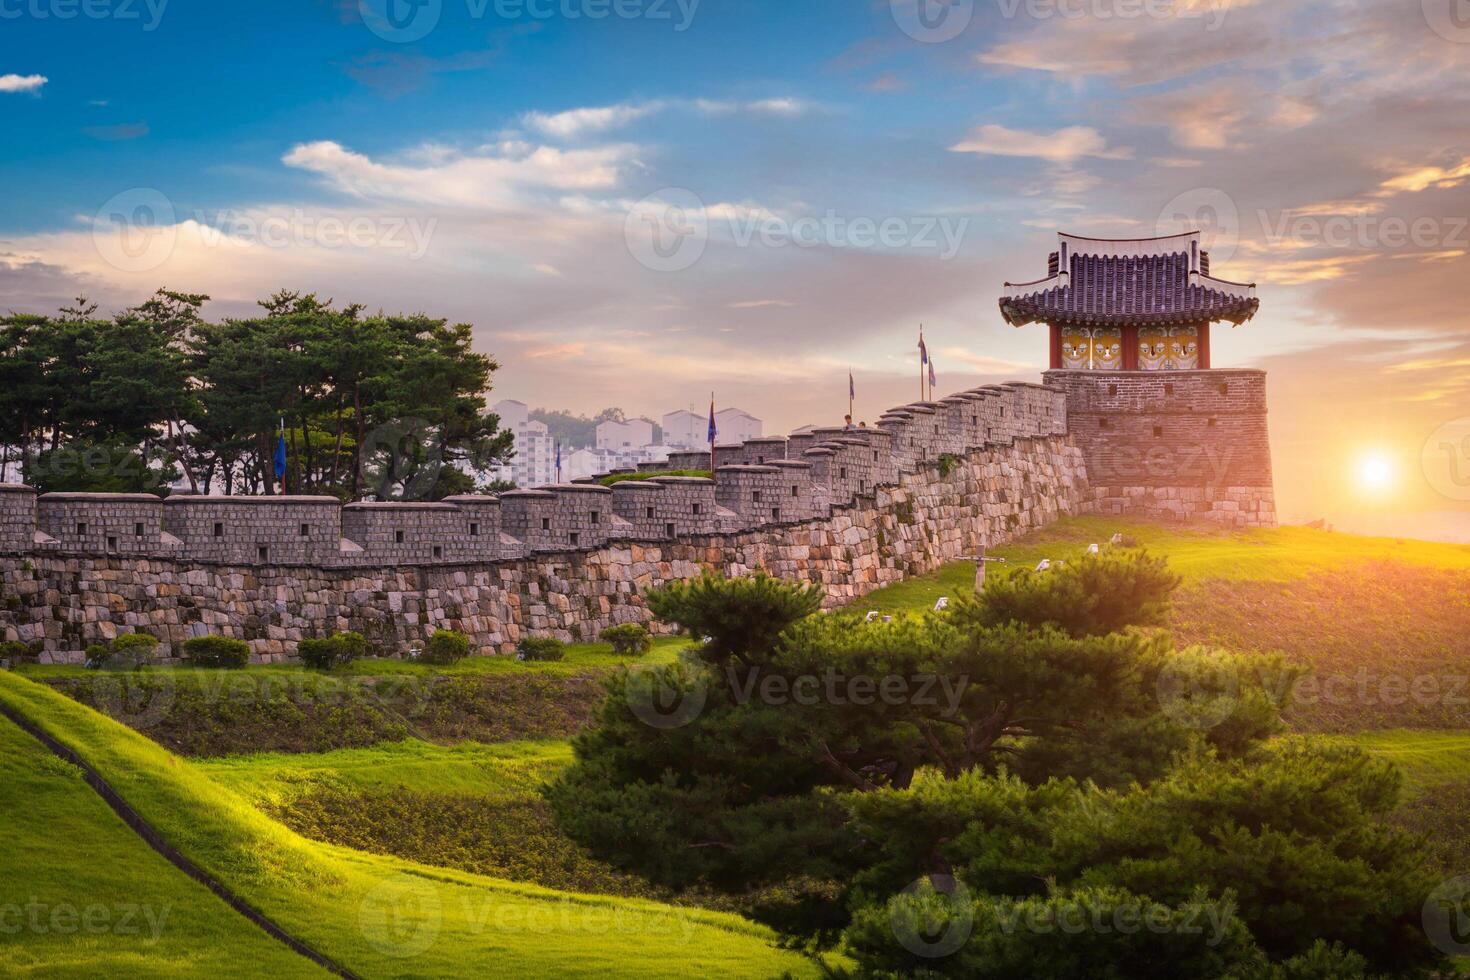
{"points": [[1376, 472]]}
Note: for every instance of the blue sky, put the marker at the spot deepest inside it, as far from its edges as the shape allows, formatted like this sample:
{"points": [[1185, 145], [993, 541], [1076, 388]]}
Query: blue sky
{"points": [[498, 168]]}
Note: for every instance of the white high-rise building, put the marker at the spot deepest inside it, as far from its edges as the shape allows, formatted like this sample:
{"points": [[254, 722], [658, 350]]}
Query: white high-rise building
{"points": [[534, 462], [736, 425], [687, 430], [624, 436]]}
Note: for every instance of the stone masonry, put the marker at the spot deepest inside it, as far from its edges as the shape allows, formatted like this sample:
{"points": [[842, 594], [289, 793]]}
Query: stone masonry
{"points": [[852, 510]]}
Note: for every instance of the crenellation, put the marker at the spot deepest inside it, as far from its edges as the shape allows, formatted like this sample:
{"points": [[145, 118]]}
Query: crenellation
{"points": [[102, 523], [850, 508], [758, 494], [19, 523], [528, 516], [406, 533], [925, 519], [256, 530]]}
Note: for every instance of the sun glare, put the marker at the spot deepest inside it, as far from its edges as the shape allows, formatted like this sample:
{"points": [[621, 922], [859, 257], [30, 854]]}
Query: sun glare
{"points": [[1376, 473]]}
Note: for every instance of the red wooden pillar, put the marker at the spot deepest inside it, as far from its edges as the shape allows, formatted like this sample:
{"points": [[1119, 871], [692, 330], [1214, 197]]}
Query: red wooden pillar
{"points": [[1056, 346], [1204, 345], [1130, 347]]}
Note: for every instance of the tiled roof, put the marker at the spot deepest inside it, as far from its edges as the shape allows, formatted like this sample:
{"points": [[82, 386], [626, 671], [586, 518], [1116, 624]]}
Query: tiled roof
{"points": [[1129, 281]]}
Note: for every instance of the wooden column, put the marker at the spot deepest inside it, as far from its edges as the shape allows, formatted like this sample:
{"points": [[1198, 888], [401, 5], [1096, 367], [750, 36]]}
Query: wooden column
{"points": [[1056, 346], [1130, 348], [1204, 345]]}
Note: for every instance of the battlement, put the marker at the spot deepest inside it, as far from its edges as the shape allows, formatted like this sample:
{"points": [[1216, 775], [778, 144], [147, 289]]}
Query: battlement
{"points": [[771, 480]]}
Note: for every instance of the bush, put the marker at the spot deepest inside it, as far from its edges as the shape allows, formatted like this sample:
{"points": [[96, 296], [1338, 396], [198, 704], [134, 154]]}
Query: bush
{"points": [[217, 651], [740, 616], [132, 651], [446, 647], [1088, 596], [541, 648], [628, 640], [17, 652], [334, 651]]}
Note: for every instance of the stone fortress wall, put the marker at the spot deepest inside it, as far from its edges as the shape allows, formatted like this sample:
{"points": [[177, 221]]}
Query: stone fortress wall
{"points": [[1174, 444], [852, 510]]}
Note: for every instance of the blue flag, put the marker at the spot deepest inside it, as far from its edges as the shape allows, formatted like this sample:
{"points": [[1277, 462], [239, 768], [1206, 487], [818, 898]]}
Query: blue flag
{"points": [[932, 379], [851, 386], [281, 453], [714, 430], [558, 462], [923, 350]]}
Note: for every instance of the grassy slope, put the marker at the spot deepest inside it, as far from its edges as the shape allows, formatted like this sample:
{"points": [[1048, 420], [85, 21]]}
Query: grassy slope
{"points": [[467, 769], [386, 917], [68, 853]]}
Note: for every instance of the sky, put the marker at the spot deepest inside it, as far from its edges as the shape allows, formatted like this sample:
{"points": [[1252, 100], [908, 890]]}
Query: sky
{"points": [[641, 202]]}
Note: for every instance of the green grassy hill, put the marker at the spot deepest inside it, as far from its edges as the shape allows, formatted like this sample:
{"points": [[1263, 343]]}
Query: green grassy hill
{"points": [[379, 916], [390, 806]]}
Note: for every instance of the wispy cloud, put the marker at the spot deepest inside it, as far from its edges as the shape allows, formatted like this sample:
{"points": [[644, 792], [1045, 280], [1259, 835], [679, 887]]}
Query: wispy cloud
{"points": [[1061, 145], [489, 176], [578, 122], [22, 83], [122, 131]]}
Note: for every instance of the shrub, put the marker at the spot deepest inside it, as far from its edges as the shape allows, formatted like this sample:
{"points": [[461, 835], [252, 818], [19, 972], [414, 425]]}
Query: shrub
{"points": [[740, 616], [17, 652], [334, 651], [217, 651], [1088, 596], [541, 648], [97, 656], [628, 640], [446, 647], [132, 651]]}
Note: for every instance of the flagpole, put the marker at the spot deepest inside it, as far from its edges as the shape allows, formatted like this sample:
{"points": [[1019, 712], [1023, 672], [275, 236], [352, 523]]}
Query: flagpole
{"points": [[923, 363]]}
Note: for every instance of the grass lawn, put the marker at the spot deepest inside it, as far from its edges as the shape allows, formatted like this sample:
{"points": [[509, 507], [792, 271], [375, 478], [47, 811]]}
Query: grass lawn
{"points": [[580, 657], [291, 709], [82, 895], [382, 916], [1277, 556], [510, 769]]}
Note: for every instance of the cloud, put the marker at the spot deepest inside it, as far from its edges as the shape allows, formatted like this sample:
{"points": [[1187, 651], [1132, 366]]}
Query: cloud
{"points": [[571, 124], [1062, 145], [758, 304], [788, 107], [396, 72], [123, 131], [887, 82], [578, 122], [557, 352], [22, 83], [490, 176], [1419, 178]]}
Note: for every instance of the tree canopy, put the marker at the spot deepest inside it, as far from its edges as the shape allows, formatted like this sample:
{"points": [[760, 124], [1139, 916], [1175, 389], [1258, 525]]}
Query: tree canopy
{"points": [[387, 406], [1027, 759]]}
